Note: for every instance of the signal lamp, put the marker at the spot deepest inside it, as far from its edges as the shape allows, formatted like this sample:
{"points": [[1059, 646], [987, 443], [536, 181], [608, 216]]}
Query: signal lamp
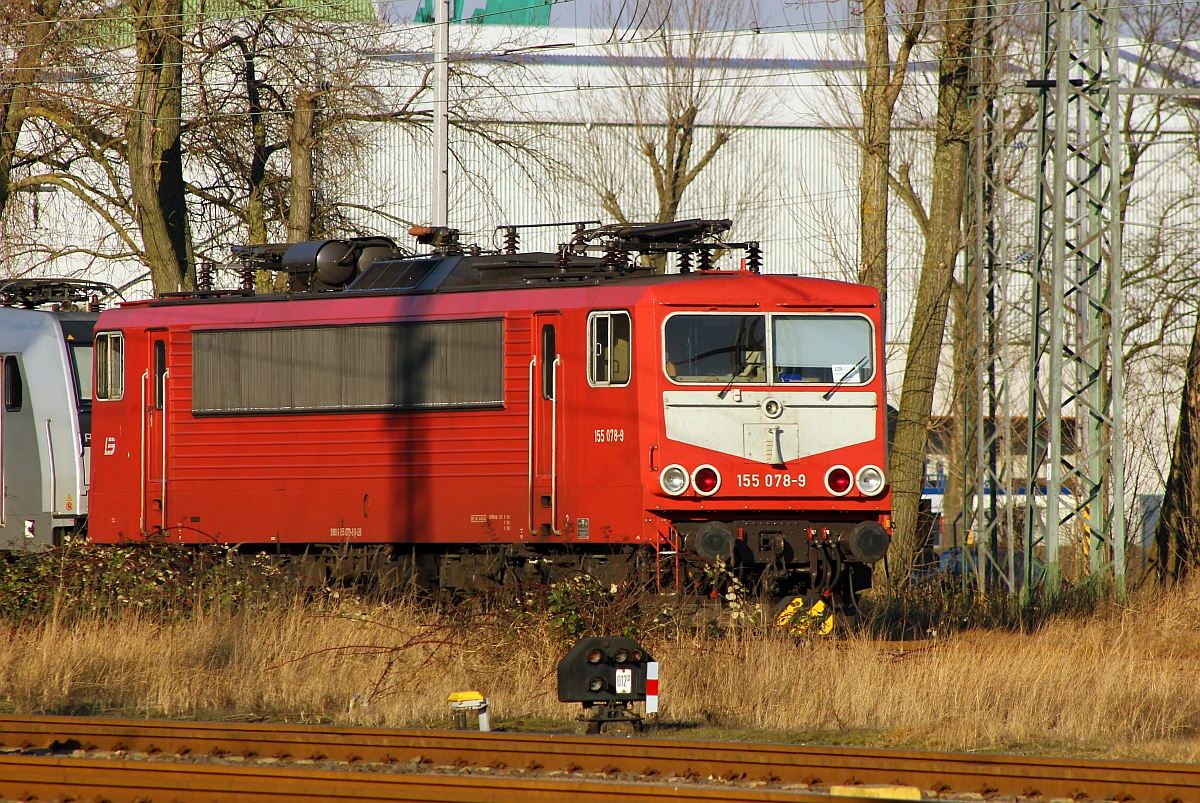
{"points": [[706, 480], [635, 656], [595, 657], [621, 656], [596, 684], [839, 481], [674, 479], [870, 480]]}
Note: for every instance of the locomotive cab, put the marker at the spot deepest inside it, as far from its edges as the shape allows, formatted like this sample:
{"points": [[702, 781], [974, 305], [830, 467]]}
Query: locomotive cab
{"points": [[772, 459], [45, 415]]}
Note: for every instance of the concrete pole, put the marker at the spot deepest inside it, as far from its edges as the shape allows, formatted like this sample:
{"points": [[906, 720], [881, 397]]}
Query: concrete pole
{"points": [[440, 199]]}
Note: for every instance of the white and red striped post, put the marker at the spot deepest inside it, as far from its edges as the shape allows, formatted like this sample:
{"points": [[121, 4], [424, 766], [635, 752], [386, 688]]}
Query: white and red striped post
{"points": [[652, 687]]}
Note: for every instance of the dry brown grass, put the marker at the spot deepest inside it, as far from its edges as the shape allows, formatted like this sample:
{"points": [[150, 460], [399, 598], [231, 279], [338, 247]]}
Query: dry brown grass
{"points": [[1122, 681]]}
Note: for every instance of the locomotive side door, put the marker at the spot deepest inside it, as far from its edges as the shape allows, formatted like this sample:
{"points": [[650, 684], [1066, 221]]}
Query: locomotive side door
{"points": [[24, 522], [545, 424], [154, 434]]}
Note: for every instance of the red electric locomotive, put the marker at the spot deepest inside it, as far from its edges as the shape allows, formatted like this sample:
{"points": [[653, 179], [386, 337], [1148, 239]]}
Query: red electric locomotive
{"points": [[489, 418]]}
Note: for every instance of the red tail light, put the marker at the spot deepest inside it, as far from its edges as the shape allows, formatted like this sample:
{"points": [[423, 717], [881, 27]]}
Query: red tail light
{"points": [[839, 480], [706, 480]]}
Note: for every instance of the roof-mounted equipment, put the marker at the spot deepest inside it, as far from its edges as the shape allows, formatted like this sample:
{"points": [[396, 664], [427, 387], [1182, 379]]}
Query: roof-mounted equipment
{"points": [[443, 239], [314, 265], [512, 237], [697, 238], [64, 295]]}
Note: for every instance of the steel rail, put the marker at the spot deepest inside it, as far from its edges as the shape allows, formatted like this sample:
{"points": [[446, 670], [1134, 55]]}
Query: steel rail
{"points": [[118, 781], [785, 763]]}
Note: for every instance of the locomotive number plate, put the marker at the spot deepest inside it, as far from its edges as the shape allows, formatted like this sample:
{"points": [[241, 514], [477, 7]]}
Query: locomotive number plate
{"points": [[609, 435], [771, 480], [624, 681]]}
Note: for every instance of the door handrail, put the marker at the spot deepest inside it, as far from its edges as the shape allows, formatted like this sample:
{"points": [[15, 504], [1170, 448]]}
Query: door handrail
{"points": [[554, 446], [163, 426], [532, 391], [3, 473], [142, 457], [53, 477]]}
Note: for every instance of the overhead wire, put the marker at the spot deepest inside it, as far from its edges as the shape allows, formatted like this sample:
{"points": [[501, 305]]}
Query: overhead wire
{"points": [[498, 53], [371, 27], [775, 79], [737, 74]]}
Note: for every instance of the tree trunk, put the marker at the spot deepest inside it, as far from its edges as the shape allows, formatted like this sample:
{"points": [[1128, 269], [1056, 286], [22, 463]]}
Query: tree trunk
{"points": [[300, 146], [877, 106], [154, 147], [301, 141], [33, 33], [882, 86], [942, 244], [1177, 537], [255, 212]]}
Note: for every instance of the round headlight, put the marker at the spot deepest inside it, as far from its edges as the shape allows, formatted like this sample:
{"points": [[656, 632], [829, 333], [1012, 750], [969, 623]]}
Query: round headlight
{"points": [[839, 481], [673, 479], [870, 480], [772, 408], [706, 480]]}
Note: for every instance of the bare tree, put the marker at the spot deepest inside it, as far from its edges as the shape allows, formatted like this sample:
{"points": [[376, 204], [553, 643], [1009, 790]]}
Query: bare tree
{"points": [[29, 33], [301, 141], [44, 46], [277, 134], [1177, 536], [943, 241], [153, 143], [1178, 532], [73, 140], [883, 81], [1005, 45], [683, 90]]}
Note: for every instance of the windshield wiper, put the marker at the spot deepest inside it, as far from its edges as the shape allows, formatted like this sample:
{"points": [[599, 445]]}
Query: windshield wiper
{"points": [[829, 393], [737, 369]]}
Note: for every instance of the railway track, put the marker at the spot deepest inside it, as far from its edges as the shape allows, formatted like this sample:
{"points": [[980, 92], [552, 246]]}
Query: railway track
{"points": [[445, 765], [151, 782]]}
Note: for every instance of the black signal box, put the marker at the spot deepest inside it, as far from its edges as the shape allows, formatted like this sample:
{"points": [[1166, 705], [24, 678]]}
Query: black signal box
{"points": [[603, 670]]}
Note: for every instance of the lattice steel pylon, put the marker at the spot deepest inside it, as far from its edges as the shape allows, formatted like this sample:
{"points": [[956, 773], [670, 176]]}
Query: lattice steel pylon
{"points": [[988, 508], [1075, 472]]}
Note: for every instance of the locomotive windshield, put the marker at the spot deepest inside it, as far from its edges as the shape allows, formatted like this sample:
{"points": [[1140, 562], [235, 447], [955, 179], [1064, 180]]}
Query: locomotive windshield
{"points": [[820, 349], [81, 357], [716, 348]]}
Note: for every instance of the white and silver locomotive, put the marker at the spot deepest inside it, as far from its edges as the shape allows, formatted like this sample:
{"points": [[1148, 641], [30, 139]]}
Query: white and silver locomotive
{"points": [[45, 408]]}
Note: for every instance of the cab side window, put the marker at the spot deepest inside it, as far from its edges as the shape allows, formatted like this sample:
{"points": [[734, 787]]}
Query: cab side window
{"points": [[609, 338], [110, 366], [160, 373], [14, 392]]}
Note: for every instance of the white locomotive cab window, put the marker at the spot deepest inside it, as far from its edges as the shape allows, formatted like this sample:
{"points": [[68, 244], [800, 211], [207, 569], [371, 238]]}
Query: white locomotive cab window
{"points": [[609, 338], [822, 349], [110, 366], [81, 361], [716, 349]]}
